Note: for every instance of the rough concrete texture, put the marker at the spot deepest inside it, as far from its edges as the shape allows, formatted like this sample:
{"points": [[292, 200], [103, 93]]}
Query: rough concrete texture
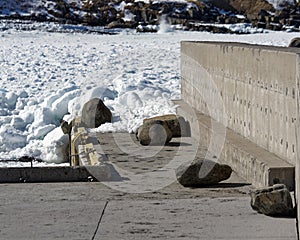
{"points": [[250, 161], [72, 210], [257, 88], [297, 168], [252, 89], [43, 174], [205, 218], [84, 154]]}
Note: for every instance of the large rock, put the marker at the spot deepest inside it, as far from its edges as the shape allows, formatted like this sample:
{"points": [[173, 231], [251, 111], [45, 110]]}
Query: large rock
{"points": [[202, 172], [178, 126], [95, 113], [273, 201], [295, 42], [154, 132], [244, 6]]}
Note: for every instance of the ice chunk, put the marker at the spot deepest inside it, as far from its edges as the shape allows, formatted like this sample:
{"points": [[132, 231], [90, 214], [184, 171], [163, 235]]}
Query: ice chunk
{"points": [[55, 146], [10, 138]]}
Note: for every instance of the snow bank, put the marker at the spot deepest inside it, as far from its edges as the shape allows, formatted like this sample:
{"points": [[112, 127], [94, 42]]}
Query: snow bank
{"points": [[46, 77]]}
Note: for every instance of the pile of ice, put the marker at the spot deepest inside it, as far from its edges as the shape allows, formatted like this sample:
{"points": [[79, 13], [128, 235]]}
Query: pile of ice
{"points": [[46, 77], [29, 127]]}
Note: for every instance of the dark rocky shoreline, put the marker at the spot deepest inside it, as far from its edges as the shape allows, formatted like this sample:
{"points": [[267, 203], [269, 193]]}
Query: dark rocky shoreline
{"points": [[131, 14]]}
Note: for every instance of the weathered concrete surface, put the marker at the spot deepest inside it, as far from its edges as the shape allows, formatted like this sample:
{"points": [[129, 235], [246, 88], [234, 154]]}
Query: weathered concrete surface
{"points": [[297, 171], [255, 164], [43, 174], [258, 87], [84, 153], [72, 210], [201, 218], [255, 86]]}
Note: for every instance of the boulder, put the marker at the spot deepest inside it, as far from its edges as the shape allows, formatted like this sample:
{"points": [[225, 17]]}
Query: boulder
{"points": [[122, 24], [295, 42], [273, 201], [202, 172], [177, 124], [95, 113], [154, 132]]}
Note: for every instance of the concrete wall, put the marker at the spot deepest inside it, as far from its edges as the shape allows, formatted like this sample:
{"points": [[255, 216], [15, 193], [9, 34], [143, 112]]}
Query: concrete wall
{"points": [[297, 168], [44, 174], [255, 164], [255, 86], [253, 90]]}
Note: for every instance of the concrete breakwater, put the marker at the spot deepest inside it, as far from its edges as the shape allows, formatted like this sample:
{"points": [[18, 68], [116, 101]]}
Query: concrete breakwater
{"points": [[251, 90], [248, 96], [256, 86]]}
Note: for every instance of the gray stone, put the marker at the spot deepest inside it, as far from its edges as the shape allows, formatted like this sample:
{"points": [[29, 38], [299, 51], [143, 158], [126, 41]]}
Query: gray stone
{"points": [[202, 172], [95, 113], [295, 42], [66, 127], [154, 132], [273, 201], [178, 126]]}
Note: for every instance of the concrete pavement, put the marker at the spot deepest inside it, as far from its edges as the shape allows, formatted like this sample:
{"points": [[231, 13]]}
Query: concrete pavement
{"points": [[72, 210]]}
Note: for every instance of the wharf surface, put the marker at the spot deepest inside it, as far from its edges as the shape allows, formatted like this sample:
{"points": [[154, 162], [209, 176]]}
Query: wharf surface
{"points": [[93, 210]]}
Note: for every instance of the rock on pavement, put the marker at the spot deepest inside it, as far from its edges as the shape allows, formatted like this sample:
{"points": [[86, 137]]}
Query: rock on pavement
{"points": [[202, 172], [273, 201], [177, 124], [154, 132]]}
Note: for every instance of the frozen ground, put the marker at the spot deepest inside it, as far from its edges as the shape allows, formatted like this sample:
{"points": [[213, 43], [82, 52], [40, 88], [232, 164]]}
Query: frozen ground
{"points": [[49, 76]]}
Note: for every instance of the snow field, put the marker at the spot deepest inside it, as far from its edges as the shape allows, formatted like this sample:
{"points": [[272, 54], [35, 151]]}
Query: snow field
{"points": [[46, 77]]}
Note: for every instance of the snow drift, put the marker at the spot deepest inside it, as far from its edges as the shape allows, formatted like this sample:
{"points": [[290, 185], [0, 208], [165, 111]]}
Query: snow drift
{"points": [[46, 77]]}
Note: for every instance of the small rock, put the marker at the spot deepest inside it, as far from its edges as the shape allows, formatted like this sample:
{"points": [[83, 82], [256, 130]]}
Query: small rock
{"points": [[178, 126], [66, 127], [202, 172], [273, 201], [95, 113], [154, 132]]}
